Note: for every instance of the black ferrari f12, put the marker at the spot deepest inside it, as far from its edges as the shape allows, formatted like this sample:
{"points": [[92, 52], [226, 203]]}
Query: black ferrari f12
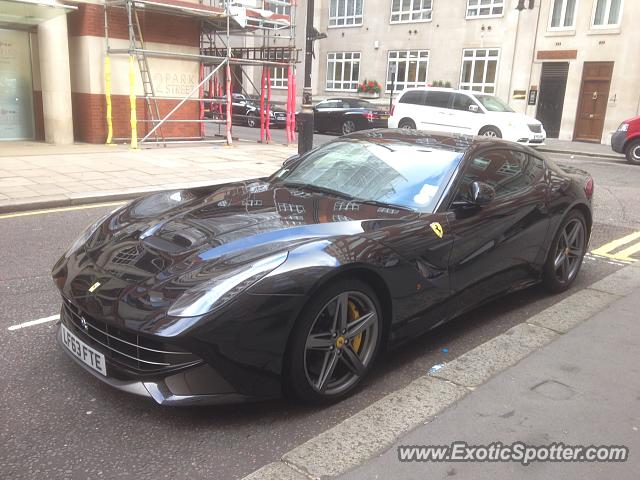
{"points": [[295, 283]]}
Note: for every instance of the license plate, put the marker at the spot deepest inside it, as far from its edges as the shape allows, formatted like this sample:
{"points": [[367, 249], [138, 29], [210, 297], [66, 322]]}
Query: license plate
{"points": [[384, 117], [538, 137], [83, 352]]}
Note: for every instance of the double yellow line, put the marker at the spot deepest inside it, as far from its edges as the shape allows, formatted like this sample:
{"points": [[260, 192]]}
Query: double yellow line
{"points": [[611, 249]]}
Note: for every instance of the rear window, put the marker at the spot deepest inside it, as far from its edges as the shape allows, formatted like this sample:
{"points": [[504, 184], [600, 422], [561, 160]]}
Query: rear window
{"points": [[438, 99], [414, 97]]}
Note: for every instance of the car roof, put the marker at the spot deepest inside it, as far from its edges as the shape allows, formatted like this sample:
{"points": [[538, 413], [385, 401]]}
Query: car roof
{"points": [[443, 89], [434, 140]]}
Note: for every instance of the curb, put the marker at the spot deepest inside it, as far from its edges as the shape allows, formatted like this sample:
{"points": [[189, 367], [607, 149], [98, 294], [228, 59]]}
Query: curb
{"points": [[583, 154], [61, 201], [376, 427]]}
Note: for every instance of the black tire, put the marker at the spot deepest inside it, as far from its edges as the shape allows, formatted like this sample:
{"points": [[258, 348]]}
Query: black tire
{"points": [[491, 132], [253, 121], [298, 384], [407, 124], [633, 152], [552, 279]]}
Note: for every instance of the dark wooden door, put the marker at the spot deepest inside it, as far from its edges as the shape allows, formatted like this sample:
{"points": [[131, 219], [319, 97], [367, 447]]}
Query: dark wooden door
{"points": [[592, 104], [553, 84]]}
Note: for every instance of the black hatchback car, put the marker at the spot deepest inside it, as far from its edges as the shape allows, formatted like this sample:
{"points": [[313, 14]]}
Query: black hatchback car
{"points": [[347, 115], [295, 283]]}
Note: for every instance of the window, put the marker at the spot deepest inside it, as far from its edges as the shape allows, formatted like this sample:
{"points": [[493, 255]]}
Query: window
{"points": [[410, 69], [509, 172], [410, 10], [327, 104], [279, 77], [414, 97], [279, 9], [485, 8], [607, 13], [345, 13], [563, 14], [438, 99], [462, 102], [402, 174], [343, 71], [479, 70]]}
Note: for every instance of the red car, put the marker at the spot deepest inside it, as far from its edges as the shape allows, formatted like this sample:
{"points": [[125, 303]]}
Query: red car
{"points": [[627, 140]]}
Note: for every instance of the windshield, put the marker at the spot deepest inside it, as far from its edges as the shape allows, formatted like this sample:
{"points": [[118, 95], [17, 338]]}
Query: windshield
{"points": [[493, 103], [403, 174]]}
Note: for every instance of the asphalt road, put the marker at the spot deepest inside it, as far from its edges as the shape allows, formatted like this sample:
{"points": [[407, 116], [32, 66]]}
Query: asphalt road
{"points": [[57, 421]]}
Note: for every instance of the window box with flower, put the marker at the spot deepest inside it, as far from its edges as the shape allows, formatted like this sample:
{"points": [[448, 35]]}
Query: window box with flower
{"points": [[369, 89]]}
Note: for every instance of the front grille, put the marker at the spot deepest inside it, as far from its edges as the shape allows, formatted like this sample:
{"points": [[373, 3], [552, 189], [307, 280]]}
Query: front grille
{"points": [[535, 128], [130, 350]]}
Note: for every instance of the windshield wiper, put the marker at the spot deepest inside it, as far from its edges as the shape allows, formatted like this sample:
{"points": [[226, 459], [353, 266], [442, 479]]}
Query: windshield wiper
{"points": [[379, 203], [317, 188]]}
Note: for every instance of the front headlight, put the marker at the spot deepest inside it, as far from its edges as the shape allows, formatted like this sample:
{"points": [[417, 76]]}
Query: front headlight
{"points": [[89, 231], [624, 127], [219, 290]]}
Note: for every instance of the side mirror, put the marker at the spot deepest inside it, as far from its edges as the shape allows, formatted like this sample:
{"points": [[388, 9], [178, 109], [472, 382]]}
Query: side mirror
{"points": [[482, 193], [291, 161], [474, 109]]}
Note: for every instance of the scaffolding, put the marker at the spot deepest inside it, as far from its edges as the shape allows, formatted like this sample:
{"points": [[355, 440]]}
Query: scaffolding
{"points": [[234, 36]]}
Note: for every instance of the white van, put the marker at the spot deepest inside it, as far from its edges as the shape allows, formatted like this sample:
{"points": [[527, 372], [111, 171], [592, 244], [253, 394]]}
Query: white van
{"points": [[464, 111]]}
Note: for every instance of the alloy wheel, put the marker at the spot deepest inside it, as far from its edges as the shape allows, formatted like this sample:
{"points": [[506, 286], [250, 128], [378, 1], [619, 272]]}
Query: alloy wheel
{"points": [[341, 343], [569, 251], [348, 127], [490, 133]]}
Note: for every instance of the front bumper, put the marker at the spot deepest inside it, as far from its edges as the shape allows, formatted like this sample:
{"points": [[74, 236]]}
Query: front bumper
{"points": [[197, 384], [618, 141]]}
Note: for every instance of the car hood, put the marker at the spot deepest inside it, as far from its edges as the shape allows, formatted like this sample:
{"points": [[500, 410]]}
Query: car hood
{"points": [[165, 235]]}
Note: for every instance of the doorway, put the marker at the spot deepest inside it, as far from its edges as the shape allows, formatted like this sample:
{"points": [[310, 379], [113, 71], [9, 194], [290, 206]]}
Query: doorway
{"points": [[592, 104], [16, 88], [553, 85]]}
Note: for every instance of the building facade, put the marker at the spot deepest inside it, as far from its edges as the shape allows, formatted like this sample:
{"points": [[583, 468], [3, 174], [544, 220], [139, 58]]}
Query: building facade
{"points": [[573, 64], [58, 84]]}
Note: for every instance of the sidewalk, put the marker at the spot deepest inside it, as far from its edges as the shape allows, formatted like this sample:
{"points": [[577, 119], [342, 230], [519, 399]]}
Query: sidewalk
{"points": [[36, 175], [581, 389], [565, 147]]}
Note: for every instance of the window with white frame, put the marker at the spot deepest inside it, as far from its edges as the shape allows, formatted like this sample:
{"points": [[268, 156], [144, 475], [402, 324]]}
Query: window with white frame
{"points": [[279, 9], [279, 77], [607, 13], [479, 70], [345, 13], [410, 68], [563, 14], [410, 10], [485, 8], [343, 71]]}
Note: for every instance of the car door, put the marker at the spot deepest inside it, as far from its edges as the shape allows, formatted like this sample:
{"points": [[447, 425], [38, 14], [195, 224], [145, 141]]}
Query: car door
{"points": [[437, 115], [498, 246], [463, 119], [322, 113]]}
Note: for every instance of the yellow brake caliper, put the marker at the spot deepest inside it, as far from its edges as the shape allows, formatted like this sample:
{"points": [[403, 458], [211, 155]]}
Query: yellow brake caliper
{"points": [[354, 315]]}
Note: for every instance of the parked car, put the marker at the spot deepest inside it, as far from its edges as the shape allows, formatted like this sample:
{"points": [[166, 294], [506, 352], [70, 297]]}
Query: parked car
{"points": [[627, 140], [463, 111], [245, 110], [347, 115], [295, 283]]}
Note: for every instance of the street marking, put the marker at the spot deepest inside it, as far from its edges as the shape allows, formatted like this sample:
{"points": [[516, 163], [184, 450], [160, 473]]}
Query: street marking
{"points": [[609, 250], [61, 209], [31, 323]]}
